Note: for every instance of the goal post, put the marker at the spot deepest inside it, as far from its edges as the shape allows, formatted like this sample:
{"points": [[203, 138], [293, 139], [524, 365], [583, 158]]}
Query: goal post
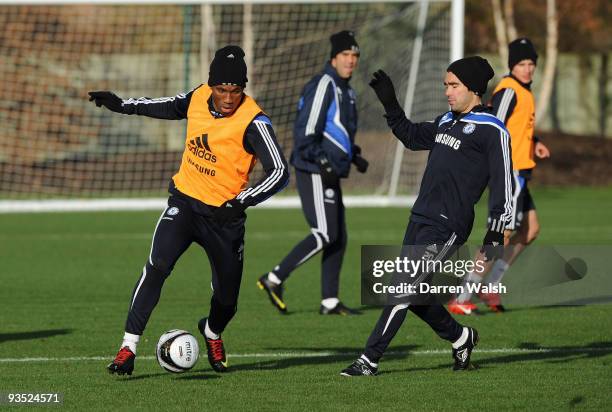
{"points": [[59, 152]]}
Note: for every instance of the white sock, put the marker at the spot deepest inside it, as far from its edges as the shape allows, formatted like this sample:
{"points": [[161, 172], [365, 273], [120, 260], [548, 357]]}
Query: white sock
{"points": [[330, 303], [131, 341], [369, 362], [209, 333], [462, 339], [274, 279], [466, 295], [497, 272]]}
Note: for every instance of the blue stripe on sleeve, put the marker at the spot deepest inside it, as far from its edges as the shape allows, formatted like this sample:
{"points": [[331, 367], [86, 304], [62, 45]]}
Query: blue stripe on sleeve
{"points": [[335, 130], [263, 118]]}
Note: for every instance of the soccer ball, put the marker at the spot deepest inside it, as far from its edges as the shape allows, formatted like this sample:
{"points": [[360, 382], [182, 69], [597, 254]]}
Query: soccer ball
{"points": [[177, 351]]}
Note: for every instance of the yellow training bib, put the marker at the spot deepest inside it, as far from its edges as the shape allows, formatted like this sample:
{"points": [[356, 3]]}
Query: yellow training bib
{"points": [[520, 124], [215, 166]]}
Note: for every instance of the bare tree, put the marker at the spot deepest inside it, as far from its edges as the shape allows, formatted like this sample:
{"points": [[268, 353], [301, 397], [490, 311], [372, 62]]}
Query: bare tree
{"points": [[509, 18], [552, 37], [500, 30], [505, 30]]}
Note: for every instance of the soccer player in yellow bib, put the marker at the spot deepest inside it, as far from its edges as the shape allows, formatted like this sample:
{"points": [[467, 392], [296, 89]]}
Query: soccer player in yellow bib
{"points": [[513, 104], [226, 133]]}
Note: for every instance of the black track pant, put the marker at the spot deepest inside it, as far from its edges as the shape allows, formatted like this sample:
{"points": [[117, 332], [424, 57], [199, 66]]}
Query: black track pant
{"points": [[436, 315], [176, 229], [324, 211]]}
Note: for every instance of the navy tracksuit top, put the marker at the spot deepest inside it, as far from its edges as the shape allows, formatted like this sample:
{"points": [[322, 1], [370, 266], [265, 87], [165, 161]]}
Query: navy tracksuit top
{"points": [[325, 124], [467, 152]]}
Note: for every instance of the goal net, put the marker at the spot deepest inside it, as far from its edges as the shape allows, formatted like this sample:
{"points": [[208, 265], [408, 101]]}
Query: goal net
{"points": [[56, 147]]}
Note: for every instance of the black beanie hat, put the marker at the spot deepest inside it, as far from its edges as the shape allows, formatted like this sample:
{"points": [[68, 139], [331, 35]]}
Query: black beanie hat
{"points": [[475, 72], [341, 41], [228, 67], [521, 49]]}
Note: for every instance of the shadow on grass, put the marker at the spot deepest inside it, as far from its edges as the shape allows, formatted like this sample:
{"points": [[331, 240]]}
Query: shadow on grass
{"points": [[556, 354], [483, 311], [132, 378], [199, 376], [362, 309], [331, 355], [577, 400], [193, 375], [35, 334]]}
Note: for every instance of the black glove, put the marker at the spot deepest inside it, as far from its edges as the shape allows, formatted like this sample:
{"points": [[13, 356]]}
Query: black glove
{"points": [[107, 99], [360, 163], [229, 210], [383, 87], [493, 245], [328, 176]]}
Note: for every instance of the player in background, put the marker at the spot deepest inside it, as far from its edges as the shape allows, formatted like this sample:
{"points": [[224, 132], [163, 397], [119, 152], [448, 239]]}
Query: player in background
{"points": [[513, 103], [323, 151], [226, 133], [469, 149]]}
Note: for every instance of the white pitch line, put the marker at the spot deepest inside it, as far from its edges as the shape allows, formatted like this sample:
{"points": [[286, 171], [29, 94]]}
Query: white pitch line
{"points": [[281, 355]]}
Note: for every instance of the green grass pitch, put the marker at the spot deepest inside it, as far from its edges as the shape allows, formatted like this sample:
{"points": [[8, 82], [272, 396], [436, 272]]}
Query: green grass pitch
{"points": [[67, 279]]}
